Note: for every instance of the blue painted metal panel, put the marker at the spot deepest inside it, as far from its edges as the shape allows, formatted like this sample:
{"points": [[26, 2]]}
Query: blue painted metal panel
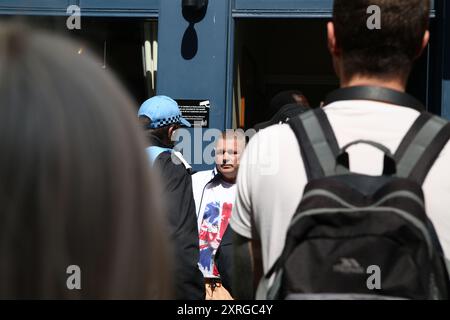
{"points": [[34, 4], [120, 4], [287, 4], [446, 99], [283, 4], [107, 8], [193, 59], [128, 8], [283, 8], [230, 70], [446, 62], [286, 8], [33, 7]]}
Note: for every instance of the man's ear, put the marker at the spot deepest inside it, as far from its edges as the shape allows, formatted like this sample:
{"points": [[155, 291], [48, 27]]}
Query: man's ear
{"points": [[332, 43], [335, 50], [170, 132], [425, 41]]}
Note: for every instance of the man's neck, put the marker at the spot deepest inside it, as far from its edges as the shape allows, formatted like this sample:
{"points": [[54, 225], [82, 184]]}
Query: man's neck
{"points": [[393, 84], [229, 180], [157, 142]]}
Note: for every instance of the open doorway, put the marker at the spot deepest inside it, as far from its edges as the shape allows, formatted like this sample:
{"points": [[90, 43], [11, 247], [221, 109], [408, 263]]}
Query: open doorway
{"points": [[126, 46], [274, 55]]}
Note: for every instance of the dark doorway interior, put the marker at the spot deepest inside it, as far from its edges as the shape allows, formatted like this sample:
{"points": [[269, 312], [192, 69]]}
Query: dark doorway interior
{"points": [[273, 55], [117, 42]]}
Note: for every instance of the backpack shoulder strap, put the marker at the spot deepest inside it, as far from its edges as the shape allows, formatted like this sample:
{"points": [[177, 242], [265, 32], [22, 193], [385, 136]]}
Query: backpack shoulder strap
{"points": [[317, 142], [421, 147]]}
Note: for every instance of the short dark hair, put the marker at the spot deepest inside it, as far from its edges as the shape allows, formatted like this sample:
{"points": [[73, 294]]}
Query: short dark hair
{"points": [[75, 184], [161, 133], [284, 98], [384, 52]]}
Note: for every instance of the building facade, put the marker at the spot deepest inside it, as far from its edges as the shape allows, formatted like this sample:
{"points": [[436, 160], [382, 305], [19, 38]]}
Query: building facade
{"points": [[235, 54]]}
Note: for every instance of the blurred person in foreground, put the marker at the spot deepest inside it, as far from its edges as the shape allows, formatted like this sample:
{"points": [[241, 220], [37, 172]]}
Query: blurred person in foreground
{"points": [[75, 187]]}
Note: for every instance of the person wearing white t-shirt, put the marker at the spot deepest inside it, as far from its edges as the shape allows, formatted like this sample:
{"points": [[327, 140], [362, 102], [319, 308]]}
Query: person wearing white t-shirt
{"points": [[272, 176], [214, 195]]}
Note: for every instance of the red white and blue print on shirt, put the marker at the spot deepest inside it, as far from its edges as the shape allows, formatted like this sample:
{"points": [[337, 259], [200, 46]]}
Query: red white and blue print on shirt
{"points": [[212, 230]]}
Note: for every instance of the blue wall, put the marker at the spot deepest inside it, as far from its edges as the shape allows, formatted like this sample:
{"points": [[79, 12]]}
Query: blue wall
{"points": [[42, 7], [210, 69], [282, 8], [446, 62], [287, 8], [193, 59], [128, 8]]}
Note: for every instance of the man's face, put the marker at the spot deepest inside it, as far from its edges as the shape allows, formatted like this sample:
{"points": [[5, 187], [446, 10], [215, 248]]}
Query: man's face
{"points": [[228, 154]]}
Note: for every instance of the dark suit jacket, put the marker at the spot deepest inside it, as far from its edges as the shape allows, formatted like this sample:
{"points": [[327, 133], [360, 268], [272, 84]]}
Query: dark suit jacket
{"points": [[183, 233], [224, 259]]}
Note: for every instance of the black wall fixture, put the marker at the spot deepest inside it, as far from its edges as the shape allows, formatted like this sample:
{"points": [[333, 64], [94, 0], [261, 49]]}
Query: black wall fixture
{"points": [[195, 5], [193, 12]]}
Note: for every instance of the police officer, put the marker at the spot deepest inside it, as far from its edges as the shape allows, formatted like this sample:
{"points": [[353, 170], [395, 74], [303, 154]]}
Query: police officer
{"points": [[161, 117]]}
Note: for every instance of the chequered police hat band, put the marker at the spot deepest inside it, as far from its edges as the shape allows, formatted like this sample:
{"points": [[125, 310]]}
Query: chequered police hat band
{"points": [[165, 122]]}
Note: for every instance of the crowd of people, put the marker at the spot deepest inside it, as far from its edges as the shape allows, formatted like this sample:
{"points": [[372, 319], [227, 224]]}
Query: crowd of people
{"points": [[85, 181]]}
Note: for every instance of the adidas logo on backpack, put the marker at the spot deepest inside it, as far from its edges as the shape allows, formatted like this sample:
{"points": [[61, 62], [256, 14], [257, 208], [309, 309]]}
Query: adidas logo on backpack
{"points": [[348, 266]]}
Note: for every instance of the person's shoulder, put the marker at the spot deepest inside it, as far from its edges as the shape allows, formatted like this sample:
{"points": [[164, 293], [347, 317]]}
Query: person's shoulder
{"points": [[368, 107], [202, 176], [272, 140], [269, 142], [275, 129], [268, 150], [163, 159], [272, 133], [445, 153], [167, 165]]}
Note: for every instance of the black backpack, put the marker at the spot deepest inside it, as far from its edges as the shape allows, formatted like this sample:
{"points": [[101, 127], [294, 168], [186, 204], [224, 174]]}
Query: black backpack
{"points": [[362, 237]]}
